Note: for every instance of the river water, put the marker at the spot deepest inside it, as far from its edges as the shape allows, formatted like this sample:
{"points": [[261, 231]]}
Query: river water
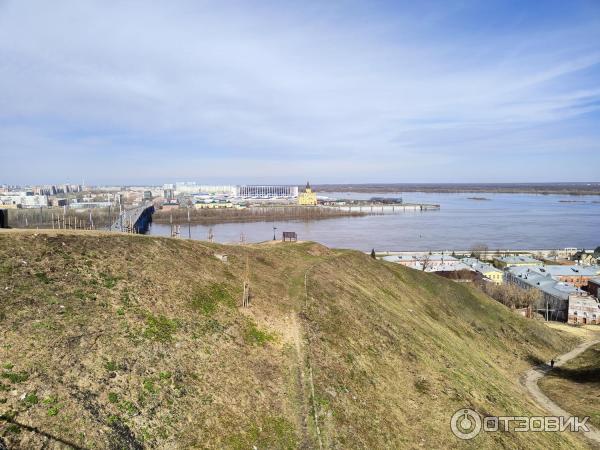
{"points": [[503, 221]]}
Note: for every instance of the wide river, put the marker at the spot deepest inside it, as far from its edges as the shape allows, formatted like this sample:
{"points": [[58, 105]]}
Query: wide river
{"points": [[504, 221]]}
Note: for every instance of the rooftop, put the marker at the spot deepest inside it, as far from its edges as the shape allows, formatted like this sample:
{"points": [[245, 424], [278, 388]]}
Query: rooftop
{"points": [[480, 266], [417, 258], [518, 259], [545, 283], [573, 270]]}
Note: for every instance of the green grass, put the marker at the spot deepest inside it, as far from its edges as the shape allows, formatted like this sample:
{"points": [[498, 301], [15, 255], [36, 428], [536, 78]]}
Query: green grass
{"points": [[53, 411], [206, 299], [15, 377], [272, 432], [31, 399], [109, 281], [51, 400], [159, 328], [254, 336], [150, 386]]}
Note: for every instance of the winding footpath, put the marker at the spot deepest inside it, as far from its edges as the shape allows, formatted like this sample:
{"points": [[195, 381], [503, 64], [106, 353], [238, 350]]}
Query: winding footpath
{"points": [[532, 376]]}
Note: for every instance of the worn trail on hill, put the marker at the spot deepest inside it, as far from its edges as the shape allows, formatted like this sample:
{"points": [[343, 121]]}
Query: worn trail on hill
{"points": [[532, 376]]}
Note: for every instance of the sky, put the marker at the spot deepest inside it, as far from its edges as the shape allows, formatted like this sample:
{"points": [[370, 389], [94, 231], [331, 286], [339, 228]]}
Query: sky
{"points": [[137, 92]]}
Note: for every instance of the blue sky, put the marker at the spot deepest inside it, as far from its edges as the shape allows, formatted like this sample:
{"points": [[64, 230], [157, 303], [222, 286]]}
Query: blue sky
{"points": [[234, 92]]}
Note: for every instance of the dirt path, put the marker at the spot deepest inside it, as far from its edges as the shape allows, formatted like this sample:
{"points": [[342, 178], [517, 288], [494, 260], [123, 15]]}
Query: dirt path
{"points": [[309, 363], [532, 376]]}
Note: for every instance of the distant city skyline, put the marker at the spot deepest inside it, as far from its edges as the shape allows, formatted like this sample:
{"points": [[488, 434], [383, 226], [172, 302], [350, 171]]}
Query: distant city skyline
{"points": [[284, 92]]}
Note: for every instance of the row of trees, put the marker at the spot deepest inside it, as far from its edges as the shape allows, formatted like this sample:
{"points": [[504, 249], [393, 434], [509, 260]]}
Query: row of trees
{"points": [[511, 295]]}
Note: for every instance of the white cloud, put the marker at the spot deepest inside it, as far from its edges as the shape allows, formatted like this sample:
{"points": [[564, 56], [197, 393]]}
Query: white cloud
{"points": [[319, 86]]}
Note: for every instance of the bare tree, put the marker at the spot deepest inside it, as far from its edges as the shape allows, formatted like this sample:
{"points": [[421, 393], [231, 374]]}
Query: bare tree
{"points": [[480, 251], [425, 261], [511, 295]]}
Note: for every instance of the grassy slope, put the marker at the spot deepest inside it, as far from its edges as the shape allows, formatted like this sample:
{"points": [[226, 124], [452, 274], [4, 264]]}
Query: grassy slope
{"points": [[128, 341], [576, 385]]}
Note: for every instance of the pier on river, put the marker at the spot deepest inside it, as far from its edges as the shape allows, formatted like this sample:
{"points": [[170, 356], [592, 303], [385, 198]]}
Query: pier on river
{"points": [[380, 209]]}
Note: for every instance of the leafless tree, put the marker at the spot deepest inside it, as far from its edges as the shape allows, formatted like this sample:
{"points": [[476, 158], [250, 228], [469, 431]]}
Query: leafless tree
{"points": [[480, 251], [511, 295], [425, 261]]}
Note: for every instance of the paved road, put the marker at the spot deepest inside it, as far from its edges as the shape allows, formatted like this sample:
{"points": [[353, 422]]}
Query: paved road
{"points": [[532, 376]]}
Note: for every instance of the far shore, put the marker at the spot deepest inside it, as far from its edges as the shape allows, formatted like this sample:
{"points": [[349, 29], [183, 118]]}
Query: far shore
{"points": [[256, 214], [456, 188]]}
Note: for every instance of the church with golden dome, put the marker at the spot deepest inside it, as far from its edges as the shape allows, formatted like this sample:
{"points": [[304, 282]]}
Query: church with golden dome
{"points": [[307, 197]]}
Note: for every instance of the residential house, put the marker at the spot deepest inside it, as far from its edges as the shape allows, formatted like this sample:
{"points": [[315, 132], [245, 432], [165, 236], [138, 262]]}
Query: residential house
{"points": [[577, 275], [583, 310], [503, 262], [487, 270], [555, 294], [432, 263], [593, 287]]}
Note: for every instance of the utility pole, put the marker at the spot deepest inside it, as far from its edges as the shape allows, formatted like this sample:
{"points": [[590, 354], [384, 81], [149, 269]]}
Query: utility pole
{"points": [[189, 224], [246, 294]]}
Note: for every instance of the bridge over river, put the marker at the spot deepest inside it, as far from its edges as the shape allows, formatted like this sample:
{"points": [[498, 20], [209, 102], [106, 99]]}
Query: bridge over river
{"points": [[135, 219]]}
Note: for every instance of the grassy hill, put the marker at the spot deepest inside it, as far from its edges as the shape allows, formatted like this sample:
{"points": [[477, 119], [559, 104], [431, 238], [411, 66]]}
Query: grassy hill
{"points": [[116, 341]]}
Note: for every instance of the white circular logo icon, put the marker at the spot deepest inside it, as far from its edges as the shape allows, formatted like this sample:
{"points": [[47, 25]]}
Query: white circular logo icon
{"points": [[465, 424]]}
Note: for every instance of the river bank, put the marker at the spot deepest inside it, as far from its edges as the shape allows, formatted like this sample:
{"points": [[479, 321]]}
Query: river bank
{"points": [[255, 214], [57, 217]]}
